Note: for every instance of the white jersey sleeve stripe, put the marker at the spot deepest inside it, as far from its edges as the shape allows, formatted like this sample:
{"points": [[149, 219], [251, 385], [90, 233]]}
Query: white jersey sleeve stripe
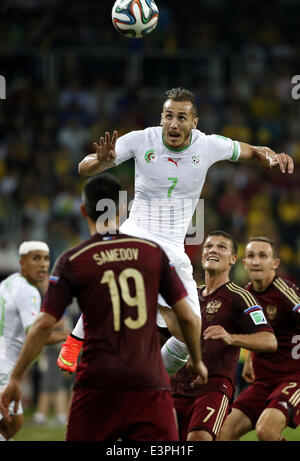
{"points": [[236, 151]]}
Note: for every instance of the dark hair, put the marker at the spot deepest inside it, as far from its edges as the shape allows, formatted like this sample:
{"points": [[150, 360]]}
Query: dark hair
{"points": [[181, 94], [266, 240], [221, 233], [99, 187]]}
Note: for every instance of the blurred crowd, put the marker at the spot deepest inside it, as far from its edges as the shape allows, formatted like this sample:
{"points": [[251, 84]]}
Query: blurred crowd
{"points": [[71, 76]]}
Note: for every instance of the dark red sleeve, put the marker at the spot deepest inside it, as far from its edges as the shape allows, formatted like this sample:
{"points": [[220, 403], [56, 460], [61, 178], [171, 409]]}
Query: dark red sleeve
{"points": [[60, 291], [171, 287], [292, 296], [250, 318]]}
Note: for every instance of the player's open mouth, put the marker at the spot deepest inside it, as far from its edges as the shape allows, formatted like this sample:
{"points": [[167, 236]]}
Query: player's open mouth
{"points": [[212, 258], [174, 135]]}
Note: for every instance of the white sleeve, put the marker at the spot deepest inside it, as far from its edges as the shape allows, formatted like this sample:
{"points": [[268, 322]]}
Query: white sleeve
{"points": [[127, 145], [221, 148], [29, 305]]}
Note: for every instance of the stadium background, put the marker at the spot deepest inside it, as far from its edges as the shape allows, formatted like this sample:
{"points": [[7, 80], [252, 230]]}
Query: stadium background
{"points": [[71, 76]]}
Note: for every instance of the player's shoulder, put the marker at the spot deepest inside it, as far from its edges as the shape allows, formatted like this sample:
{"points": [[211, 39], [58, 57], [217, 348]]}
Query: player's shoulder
{"points": [[69, 254], [198, 136], [10, 280], [125, 238], [105, 242], [284, 284], [152, 249], [209, 141], [213, 140], [22, 289], [17, 282], [140, 138], [153, 132], [287, 289], [241, 294]]}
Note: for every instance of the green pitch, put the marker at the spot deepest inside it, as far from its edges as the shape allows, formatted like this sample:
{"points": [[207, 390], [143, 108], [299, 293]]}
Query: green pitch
{"points": [[289, 434], [50, 432]]}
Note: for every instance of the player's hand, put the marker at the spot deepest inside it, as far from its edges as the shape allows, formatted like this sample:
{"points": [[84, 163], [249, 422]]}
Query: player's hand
{"points": [[284, 162], [217, 332], [199, 373], [105, 150], [248, 371], [12, 392]]}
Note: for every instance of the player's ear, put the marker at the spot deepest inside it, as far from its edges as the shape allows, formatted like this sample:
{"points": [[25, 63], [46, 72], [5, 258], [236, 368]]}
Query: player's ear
{"points": [[122, 210], [195, 122], [276, 263], [234, 259]]}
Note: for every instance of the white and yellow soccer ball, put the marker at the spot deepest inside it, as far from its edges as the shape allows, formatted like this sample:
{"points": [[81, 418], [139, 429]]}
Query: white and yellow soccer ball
{"points": [[135, 18]]}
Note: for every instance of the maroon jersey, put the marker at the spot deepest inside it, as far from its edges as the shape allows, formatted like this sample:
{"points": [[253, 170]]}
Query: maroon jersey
{"points": [[281, 305], [116, 281], [238, 312]]}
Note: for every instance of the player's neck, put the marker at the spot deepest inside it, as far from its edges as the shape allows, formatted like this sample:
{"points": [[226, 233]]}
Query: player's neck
{"points": [[262, 285], [214, 280], [29, 279], [102, 228]]}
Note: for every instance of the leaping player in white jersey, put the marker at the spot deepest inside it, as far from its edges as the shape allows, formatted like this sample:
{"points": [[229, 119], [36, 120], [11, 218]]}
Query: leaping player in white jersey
{"points": [[20, 303], [171, 163]]}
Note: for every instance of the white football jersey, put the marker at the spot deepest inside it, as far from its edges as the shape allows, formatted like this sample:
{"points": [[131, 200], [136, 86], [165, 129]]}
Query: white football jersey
{"points": [[20, 303], [168, 182]]}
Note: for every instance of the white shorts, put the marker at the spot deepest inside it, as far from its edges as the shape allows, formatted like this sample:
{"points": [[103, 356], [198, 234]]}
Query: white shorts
{"points": [[181, 261], [3, 382]]}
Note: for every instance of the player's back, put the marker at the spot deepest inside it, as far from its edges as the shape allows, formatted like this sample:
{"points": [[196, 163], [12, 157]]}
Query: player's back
{"points": [[116, 281]]}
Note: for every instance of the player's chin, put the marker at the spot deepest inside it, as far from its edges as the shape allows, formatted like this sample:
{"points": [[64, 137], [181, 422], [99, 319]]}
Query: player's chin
{"points": [[174, 141], [256, 275], [211, 265], [41, 277]]}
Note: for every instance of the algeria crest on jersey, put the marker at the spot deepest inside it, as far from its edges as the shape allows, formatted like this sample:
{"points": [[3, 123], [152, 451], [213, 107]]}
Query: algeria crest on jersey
{"points": [[150, 156], [195, 161]]}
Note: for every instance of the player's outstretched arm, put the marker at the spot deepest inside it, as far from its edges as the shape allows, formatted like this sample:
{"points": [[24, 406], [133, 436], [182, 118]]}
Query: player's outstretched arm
{"points": [[267, 157], [102, 159], [36, 338], [262, 341]]}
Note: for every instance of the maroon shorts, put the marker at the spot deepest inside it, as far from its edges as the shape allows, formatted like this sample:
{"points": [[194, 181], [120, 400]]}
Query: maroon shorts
{"points": [[283, 395], [205, 413], [106, 415]]}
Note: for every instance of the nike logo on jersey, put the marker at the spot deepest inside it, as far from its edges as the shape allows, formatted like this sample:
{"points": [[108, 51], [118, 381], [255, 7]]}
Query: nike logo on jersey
{"points": [[174, 161]]}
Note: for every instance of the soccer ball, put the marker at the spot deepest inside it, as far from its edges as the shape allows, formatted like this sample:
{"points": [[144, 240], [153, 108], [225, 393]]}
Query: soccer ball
{"points": [[135, 18]]}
